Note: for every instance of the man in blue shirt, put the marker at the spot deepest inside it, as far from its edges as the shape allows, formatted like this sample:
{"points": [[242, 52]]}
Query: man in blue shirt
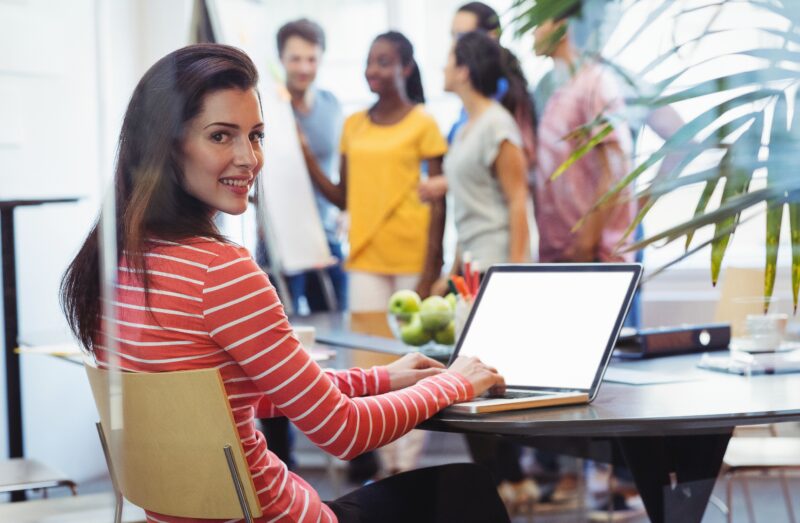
{"points": [[301, 44]]}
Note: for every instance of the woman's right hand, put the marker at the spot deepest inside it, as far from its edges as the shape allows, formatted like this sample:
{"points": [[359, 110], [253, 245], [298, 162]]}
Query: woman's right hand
{"points": [[481, 376]]}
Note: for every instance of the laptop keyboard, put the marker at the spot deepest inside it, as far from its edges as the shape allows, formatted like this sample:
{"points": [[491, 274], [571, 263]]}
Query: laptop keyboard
{"points": [[515, 394]]}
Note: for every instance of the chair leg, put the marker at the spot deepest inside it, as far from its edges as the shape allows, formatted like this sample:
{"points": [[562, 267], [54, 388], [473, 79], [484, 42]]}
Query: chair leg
{"points": [[751, 514], [610, 493], [118, 502], [729, 497], [787, 497], [114, 484], [237, 484]]}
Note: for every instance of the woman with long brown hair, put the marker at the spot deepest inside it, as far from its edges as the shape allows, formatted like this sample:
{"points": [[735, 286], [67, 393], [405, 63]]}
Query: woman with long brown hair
{"points": [[187, 298]]}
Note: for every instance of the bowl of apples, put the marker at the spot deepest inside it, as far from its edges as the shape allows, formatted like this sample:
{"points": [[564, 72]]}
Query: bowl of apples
{"points": [[425, 325]]}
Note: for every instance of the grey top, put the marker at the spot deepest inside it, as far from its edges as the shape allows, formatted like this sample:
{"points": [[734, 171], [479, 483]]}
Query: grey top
{"points": [[322, 126], [480, 209]]}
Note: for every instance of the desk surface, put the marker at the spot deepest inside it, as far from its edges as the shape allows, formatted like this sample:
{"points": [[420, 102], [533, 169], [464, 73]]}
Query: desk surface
{"points": [[10, 204], [706, 401]]}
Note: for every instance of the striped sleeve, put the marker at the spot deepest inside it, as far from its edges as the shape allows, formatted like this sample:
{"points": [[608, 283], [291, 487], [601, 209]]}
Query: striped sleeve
{"points": [[351, 382], [244, 317]]}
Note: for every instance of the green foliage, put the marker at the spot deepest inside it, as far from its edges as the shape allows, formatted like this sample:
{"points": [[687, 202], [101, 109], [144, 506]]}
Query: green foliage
{"points": [[754, 113]]}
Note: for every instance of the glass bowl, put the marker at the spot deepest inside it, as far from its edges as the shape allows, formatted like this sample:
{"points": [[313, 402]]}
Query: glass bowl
{"points": [[408, 329]]}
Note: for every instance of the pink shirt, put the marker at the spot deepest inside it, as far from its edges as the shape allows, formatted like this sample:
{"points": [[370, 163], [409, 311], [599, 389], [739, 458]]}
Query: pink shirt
{"points": [[561, 203]]}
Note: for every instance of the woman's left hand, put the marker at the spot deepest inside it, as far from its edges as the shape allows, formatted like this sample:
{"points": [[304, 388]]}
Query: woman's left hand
{"points": [[410, 369], [432, 188]]}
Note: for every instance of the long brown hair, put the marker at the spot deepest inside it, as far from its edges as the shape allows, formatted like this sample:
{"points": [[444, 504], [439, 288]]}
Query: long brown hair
{"points": [[150, 199]]}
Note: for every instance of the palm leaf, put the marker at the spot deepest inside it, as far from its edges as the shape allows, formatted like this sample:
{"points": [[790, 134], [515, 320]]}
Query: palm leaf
{"points": [[753, 78], [703, 36], [678, 141], [651, 18], [665, 186], [730, 208], [581, 151], [736, 185], [539, 11], [696, 249], [774, 218], [702, 203], [794, 227]]}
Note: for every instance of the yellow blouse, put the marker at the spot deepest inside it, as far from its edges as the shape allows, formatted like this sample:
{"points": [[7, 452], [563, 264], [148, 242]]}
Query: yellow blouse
{"points": [[388, 222]]}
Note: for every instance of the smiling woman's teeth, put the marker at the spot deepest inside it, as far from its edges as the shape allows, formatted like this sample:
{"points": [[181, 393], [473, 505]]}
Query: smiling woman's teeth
{"points": [[236, 183]]}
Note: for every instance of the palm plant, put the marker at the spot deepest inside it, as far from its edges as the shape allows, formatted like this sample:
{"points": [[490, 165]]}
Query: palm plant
{"points": [[749, 121]]}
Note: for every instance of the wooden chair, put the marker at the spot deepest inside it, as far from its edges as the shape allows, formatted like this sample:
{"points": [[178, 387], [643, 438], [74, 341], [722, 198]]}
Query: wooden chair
{"points": [[171, 444]]}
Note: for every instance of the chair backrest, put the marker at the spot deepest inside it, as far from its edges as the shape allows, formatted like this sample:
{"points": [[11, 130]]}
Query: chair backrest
{"points": [[166, 433]]}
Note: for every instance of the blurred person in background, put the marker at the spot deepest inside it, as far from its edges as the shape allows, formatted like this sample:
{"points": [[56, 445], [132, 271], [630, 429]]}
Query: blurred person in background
{"points": [[395, 238], [486, 171]]}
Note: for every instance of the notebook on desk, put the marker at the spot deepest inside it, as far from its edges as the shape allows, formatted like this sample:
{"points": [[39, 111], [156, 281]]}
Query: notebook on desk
{"points": [[549, 329]]}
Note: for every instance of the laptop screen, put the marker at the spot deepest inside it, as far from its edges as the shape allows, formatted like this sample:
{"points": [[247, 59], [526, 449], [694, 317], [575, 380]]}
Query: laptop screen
{"points": [[545, 326]]}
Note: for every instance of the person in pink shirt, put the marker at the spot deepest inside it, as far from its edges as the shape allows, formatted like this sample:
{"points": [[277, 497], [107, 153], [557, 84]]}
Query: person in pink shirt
{"points": [[559, 204], [590, 91]]}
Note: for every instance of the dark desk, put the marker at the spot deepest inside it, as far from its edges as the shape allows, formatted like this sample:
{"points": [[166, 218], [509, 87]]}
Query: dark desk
{"points": [[11, 321], [672, 436]]}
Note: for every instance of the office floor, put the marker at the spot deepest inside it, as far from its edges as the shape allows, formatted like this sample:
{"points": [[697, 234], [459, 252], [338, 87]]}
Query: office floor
{"points": [[447, 448], [766, 494]]}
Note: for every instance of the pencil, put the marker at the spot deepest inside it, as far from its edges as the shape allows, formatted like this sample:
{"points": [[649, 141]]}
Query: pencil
{"points": [[458, 281], [468, 270]]}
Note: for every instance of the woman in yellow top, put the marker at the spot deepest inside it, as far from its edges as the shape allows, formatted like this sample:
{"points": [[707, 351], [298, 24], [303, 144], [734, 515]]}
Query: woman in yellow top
{"points": [[395, 239]]}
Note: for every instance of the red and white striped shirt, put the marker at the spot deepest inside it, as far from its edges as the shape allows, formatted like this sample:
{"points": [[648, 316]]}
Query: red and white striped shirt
{"points": [[213, 307]]}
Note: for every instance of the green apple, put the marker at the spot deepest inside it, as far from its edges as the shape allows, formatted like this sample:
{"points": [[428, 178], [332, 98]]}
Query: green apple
{"points": [[435, 313], [446, 336], [451, 299], [413, 333], [404, 303]]}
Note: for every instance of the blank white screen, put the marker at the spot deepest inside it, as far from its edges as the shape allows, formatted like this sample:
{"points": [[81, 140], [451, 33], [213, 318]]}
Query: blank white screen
{"points": [[546, 329]]}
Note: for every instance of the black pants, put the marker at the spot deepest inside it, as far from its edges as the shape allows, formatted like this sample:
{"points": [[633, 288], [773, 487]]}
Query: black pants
{"points": [[500, 456], [461, 492]]}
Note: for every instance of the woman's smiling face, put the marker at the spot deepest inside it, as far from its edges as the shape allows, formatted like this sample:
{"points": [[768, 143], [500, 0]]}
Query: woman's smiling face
{"points": [[222, 152]]}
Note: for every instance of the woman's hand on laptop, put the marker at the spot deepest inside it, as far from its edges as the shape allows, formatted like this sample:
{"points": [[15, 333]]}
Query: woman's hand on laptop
{"points": [[482, 377], [410, 369]]}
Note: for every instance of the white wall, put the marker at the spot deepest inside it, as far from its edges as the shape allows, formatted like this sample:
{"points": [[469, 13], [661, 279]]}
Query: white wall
{"points": [[58, 139]]}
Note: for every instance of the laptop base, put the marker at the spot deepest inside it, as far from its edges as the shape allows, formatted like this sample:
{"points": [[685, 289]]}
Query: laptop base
{"points": [[485, 406]]}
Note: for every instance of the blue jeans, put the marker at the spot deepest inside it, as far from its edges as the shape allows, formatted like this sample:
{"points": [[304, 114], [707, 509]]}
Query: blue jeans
{"points": [[308, 284], [634, 317]]}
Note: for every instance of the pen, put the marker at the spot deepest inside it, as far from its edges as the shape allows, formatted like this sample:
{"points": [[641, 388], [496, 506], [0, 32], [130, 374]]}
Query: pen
{"points": [[468, 270], [476, 278]]}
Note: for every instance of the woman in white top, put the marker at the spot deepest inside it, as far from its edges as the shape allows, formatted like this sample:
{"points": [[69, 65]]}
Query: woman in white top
{"points": [[486, 169], [486, 173]]}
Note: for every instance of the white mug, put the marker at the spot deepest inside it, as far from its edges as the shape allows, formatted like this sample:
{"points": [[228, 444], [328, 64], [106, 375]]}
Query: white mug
{"points": [[306, 334]]}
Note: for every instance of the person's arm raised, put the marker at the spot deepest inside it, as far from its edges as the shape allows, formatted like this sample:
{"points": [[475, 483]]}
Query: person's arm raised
{"points": [[333, 192]]}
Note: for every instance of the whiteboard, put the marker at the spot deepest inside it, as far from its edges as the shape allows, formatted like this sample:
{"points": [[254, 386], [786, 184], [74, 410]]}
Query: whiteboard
{"points": [[287, 208]]}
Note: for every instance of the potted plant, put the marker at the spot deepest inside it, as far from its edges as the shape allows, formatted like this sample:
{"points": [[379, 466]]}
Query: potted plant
{"points": [[749, 121]]}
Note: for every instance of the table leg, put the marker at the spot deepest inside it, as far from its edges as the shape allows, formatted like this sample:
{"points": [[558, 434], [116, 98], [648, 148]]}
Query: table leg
{"points": [[10, 334], [675, 475]]}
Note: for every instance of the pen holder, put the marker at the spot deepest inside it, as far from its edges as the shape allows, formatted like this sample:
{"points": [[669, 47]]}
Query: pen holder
{"points": [[461, 313]]}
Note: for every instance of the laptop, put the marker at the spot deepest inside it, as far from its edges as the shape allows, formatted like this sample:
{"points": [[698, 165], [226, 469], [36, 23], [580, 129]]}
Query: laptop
{"points": [[549, 329]]}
